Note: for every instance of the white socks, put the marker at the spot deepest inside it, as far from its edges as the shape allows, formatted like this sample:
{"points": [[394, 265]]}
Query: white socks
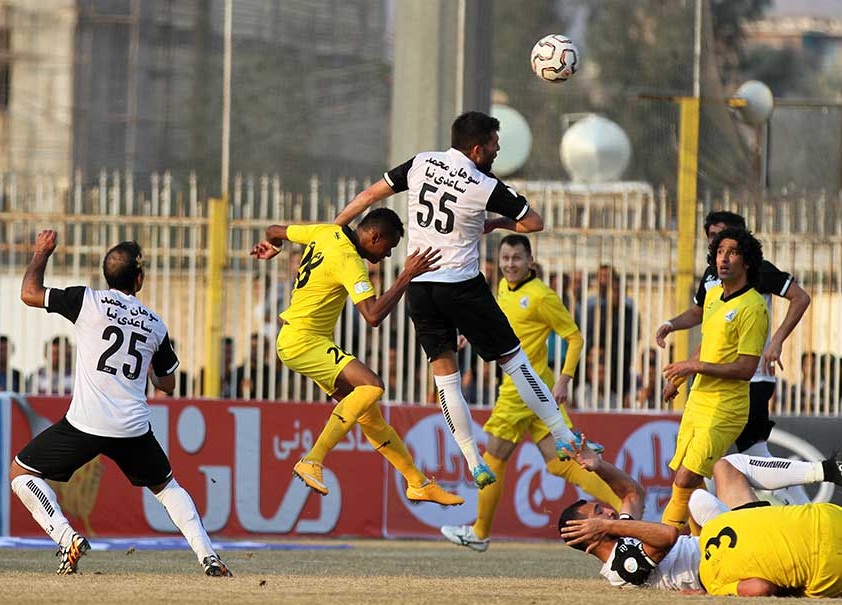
{"points": [[40, 500], [537, 395], [775, 473], [704, 506], [182, 511], [759, 449], [454, 408]]}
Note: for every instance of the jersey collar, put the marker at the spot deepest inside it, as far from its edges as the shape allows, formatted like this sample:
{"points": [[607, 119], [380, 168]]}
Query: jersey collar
{"points": [[352, 235], [739, 292], [522, 283]]}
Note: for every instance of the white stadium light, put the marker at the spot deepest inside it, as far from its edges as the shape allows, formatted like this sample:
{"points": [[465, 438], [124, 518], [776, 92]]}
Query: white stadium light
{"points": [[515, 140], [758, 102], [595, 150]]}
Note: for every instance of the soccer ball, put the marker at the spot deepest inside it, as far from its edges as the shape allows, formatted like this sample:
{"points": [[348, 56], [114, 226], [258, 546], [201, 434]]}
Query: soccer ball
{"points": [[554, 58]]}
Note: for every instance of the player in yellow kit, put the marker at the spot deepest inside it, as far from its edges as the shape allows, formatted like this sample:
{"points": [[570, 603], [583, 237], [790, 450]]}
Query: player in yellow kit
{"points": [[776, 550], [332, 268], [533, 310], [735, 325]]}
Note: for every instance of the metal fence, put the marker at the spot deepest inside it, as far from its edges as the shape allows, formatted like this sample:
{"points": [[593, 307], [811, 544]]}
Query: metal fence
{"points": [[621, 234]]}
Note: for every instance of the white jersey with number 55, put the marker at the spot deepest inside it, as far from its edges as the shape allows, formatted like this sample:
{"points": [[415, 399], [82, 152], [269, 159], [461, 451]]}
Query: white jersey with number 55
{"points": [[117, 338], [448, 199]]}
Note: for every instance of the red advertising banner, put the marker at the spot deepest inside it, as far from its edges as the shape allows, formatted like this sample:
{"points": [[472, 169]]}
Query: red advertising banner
{"points": [[235, 458]]}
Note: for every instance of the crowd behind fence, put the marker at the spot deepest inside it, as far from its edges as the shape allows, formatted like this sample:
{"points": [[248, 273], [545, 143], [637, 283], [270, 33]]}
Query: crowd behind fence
{"points": [[609, 251]]}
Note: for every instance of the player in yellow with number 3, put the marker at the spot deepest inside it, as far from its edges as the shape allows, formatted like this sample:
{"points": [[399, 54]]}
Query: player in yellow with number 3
{"points": [[774, 551]]}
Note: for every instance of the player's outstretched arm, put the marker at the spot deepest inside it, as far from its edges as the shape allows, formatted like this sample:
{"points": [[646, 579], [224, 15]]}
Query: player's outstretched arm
{"points": [[529, 223], [686, 320], [371, 195], [163, 383], [657, 538], [276, 235], [32, 288], [799, 300], [375, 310], [621, 483]]}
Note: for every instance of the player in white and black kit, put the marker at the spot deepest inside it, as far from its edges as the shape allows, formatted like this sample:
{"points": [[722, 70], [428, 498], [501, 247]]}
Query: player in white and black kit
{"points": [[118, 340], [771, 281], [449, 193]]}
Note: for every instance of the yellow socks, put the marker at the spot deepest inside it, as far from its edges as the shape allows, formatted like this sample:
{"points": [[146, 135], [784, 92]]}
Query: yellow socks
{"points": [[677, 510], [342, 418], [385, 439], [571, 471], [489, 497]]}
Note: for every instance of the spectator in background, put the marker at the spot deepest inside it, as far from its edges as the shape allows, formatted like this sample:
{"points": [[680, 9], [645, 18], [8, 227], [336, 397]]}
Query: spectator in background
{"points": [[227, 372], [596, 383], [247, 374], [647, 394], [55, 378], [10, 378], [816, 380], [181, 380], [610, 323]]}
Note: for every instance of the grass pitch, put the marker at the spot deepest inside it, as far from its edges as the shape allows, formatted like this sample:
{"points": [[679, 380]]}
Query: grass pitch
{"points": [[371, 571]]}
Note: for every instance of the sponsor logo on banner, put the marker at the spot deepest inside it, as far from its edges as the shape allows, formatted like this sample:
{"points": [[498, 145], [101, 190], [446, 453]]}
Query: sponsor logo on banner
{"points": [[537, 491], [437, 455], [645, 455]]}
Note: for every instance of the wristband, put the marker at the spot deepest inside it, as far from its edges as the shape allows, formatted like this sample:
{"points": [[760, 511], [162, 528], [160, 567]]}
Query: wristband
{"points": [[275, 248], [669, 323]]}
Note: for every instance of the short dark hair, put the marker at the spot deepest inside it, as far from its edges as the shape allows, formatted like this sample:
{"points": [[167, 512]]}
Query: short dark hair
{"points": [[384, 219], [516, 239], [749, 246], [472, 128], [731, 219], [569, 514], [121, 266]]}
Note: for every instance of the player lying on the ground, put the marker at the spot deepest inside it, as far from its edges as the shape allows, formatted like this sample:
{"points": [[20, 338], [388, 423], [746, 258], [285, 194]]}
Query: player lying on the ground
{"points": [[645, 553], [774, 551]]}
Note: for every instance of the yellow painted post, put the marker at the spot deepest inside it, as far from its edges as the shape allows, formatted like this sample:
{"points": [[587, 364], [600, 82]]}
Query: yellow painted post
{"points": [[688, 161], [217, 259]]}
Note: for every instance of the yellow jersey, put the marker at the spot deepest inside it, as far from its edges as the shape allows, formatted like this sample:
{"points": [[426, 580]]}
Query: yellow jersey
{"points": [[734, 326], [331, 269], [795, 547], [533, 310]]}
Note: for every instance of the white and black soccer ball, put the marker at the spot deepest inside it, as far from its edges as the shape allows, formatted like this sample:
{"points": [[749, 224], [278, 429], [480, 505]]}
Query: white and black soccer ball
{"points": [[555, 58]]}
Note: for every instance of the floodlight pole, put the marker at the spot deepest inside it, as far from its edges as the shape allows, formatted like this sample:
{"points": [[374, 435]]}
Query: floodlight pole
{"points": [[218, 231], [688, 166]]}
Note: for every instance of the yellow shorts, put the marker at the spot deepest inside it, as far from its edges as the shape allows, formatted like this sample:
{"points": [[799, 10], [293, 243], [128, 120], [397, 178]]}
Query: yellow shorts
{"points": [[313, 356], [511, 418], [704, 437]]}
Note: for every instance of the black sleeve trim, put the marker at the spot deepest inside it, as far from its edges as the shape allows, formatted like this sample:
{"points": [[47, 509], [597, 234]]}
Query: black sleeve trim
{"points": [[772, 280], [164, 360], [505, 201], [398, 177], [66, 302]]}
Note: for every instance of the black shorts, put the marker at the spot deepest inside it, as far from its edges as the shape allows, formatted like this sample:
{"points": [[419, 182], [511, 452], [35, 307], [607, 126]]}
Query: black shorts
{"points": [[758, 426], [439, 310], [60, 450]]}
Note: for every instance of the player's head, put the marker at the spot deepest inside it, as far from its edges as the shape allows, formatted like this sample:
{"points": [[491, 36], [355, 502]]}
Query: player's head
{"points": [[717, 220], [515, 257], [379, 232], [123, 267], [475, 134], [740, 252], [582, 509]]}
